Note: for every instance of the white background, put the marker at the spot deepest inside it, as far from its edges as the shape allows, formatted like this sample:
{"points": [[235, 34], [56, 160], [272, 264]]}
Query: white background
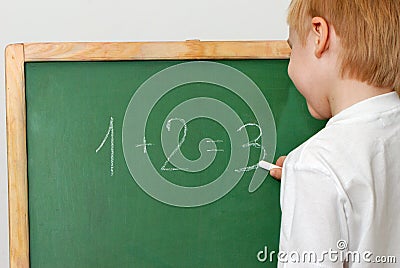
{"points": [[123, 20]]}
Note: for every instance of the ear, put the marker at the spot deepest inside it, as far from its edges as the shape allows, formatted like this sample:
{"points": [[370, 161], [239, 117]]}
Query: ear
{"points": [[320, 30]]}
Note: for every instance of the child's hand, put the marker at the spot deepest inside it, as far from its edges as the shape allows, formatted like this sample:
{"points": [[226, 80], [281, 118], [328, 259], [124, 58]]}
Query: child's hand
{"points": [[277, 172]]}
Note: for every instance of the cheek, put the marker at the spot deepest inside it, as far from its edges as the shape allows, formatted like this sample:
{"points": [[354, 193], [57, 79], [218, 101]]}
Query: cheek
{"points": [[289, 69], [296, 76], [294, 68], [292, 71]]}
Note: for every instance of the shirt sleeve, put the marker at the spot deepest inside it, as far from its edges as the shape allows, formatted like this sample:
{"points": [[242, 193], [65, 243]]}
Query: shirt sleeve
{"points": [[313, 219]]}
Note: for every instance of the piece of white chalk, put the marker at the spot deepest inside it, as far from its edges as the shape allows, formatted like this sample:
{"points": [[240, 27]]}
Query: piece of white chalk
{"points": [[266, 165]]}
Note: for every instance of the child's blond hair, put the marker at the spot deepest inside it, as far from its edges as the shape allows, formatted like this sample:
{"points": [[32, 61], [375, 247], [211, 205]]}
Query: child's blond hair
{"points": [[369, 33]]}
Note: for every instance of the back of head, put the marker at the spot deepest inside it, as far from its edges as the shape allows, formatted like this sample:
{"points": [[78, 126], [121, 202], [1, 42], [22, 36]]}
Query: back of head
{"points": [[369, 33]]}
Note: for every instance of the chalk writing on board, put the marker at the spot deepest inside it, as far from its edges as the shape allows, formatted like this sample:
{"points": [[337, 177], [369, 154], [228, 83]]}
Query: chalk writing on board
{"points": [[144, 145], [254, 143], [181, 141], [110, 132]]}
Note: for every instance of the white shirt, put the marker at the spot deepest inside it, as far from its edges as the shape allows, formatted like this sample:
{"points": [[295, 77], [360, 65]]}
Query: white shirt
{"points": [[342, 188]]}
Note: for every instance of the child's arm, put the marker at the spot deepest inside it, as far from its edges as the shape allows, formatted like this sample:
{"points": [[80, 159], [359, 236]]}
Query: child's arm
{"points": [[313, 217]]}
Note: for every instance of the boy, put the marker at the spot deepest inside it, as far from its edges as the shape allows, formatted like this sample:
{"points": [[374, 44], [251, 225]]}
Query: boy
{"points": [[340, 190]]}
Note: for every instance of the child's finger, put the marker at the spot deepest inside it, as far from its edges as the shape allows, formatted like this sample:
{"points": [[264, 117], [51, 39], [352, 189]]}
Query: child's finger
{"points": [[280, 160], [276, 173]]}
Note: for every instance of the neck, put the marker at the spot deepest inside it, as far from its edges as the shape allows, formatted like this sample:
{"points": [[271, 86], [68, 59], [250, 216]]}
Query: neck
{"points": [[348, 92]]}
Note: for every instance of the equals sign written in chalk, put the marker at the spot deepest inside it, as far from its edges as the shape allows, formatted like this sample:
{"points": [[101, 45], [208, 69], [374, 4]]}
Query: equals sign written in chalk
{"points": [[266, 165]]}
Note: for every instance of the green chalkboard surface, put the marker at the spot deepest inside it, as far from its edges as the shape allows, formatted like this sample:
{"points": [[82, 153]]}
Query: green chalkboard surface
{"points": [[129, 167]]}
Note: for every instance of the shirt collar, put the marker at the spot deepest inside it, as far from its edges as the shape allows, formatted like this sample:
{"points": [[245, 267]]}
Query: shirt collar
{"points": [[377, 104]]}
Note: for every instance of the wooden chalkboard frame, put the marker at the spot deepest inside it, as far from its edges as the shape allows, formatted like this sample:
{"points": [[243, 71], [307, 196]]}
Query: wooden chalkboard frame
{"points": [[18, 54]]}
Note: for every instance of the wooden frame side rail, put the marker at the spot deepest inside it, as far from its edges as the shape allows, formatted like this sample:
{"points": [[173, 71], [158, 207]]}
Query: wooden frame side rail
{"points": [[18, 54]]}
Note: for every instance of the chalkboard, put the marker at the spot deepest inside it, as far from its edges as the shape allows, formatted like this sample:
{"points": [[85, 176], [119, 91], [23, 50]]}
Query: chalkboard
{"points": [[145, 154]]}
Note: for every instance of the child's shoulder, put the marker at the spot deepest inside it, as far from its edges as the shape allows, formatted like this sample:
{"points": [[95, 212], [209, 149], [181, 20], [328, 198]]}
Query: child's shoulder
{"points": [[352, 140], [358, 126]]}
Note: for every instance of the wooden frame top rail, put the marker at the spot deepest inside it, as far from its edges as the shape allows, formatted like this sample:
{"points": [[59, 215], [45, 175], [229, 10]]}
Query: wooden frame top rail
{"points": [[156, 50], [18, 54]]}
